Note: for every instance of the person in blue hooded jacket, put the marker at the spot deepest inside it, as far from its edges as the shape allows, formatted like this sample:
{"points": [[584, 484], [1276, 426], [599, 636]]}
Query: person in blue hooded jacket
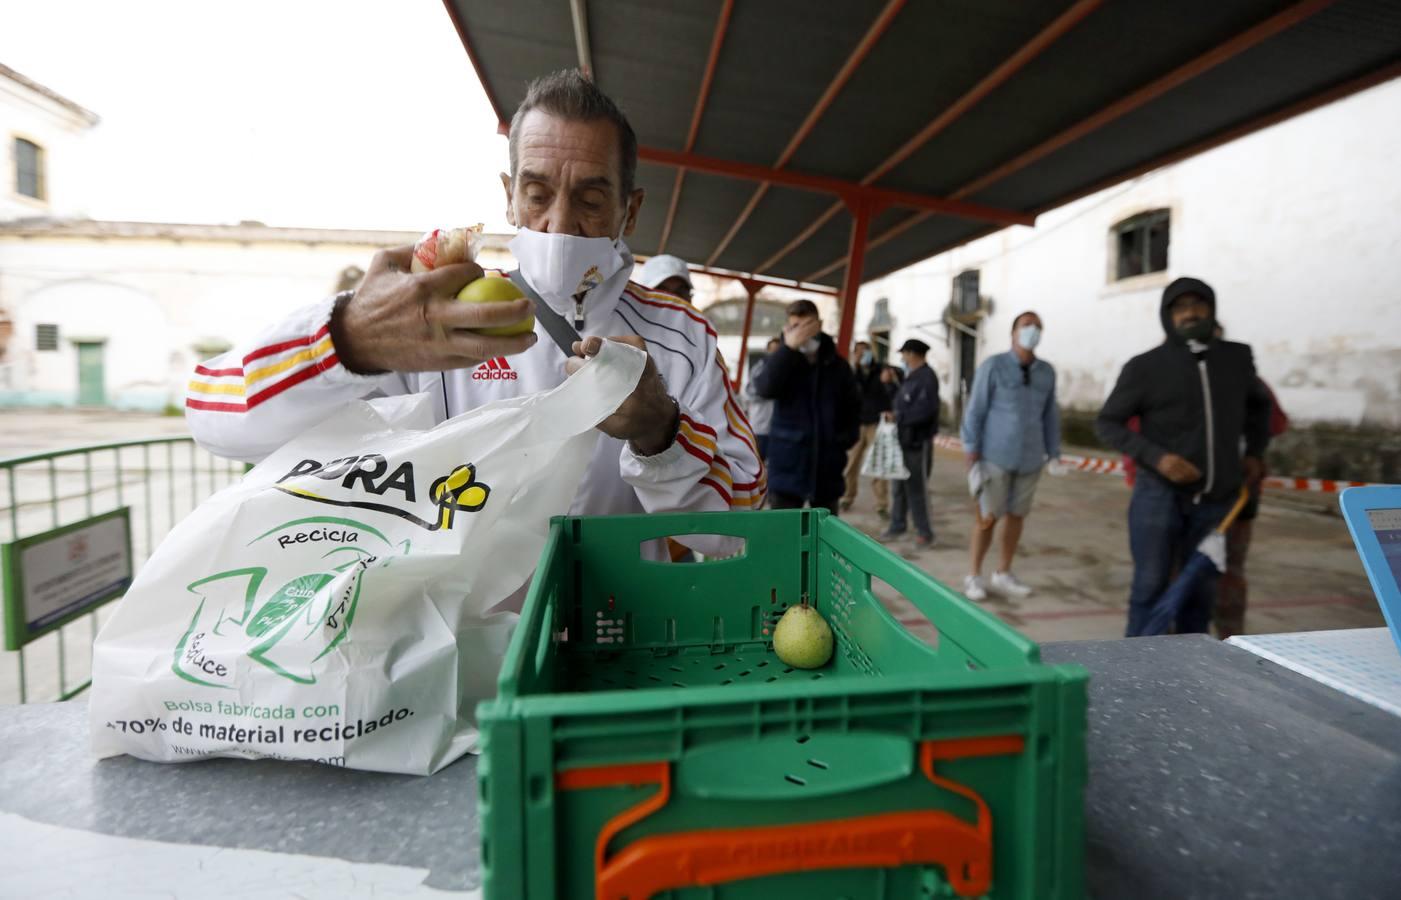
{"points": [[816, 414]]}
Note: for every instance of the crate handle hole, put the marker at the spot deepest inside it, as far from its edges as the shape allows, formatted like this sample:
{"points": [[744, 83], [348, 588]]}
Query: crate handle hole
{"points": [[676, 668], [787, 670], [803, 738], [794, 779], [764, 663], [818, 764], [728, 681], [771, 678], [719, 667], [817, 676], [680, 546], [653, 678], [744, 673]]}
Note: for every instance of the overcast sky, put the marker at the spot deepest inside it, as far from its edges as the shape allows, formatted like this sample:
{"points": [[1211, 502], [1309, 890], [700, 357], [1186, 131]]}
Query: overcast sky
{"points": [[332, 113]]}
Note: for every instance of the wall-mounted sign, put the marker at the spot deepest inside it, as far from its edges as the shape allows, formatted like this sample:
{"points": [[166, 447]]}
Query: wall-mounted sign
{"points": [[54, 577]]}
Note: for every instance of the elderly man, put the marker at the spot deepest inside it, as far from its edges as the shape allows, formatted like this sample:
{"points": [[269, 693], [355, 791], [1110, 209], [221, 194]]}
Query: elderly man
{"points": [[667, 273], [679, 442], [1011, 429], [916, 415]]}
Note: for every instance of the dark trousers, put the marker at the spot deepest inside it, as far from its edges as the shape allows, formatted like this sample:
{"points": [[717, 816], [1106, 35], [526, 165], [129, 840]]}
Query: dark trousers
{"points": [[779, 500], [1165, 526], [762, 441], [908, 498]]}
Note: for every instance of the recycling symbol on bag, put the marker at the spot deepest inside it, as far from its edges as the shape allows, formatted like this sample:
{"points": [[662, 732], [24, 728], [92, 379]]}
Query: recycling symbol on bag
{"points": [[290, 628]]}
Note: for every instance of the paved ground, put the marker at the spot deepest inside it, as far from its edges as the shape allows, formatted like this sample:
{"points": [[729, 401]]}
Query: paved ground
{"points": [[1304, 572]]}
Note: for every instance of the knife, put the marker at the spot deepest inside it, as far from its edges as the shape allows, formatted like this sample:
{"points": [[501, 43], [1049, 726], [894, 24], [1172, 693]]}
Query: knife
{"points": [[556, 327]]}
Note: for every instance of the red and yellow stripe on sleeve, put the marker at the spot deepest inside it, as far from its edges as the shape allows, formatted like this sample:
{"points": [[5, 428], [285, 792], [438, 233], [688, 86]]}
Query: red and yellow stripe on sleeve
{"points": [[265, 373]]}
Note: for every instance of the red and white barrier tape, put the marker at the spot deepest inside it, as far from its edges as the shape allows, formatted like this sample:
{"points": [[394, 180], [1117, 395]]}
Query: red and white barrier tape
{"points": [[1105, 466]]}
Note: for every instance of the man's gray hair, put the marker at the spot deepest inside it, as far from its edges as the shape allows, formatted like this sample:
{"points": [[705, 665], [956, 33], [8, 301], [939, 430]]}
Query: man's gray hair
{"points": [[567, 94]]}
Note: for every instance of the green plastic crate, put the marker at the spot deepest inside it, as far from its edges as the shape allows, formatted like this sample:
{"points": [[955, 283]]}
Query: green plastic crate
{"points": [[647, 741]]}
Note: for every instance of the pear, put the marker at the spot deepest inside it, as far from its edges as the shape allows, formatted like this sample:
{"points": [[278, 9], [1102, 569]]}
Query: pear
{"points": [[803, 639], [496, 289]]}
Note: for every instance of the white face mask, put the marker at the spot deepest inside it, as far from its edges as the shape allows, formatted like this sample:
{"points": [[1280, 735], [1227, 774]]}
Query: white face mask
{"points": [[563, 267], [1028, 336], [810, 346]]}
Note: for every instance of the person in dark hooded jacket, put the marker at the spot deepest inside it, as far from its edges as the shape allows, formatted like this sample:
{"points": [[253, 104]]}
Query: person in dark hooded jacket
{"points": [[1197, 398], [816, 414]]}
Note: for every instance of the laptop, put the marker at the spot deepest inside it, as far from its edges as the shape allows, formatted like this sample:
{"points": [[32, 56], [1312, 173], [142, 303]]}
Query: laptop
{"points": [[1373, 516]]}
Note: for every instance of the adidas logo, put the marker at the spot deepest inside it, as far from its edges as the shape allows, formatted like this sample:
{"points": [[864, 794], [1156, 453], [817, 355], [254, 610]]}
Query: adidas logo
{"points": [[494, 370]]}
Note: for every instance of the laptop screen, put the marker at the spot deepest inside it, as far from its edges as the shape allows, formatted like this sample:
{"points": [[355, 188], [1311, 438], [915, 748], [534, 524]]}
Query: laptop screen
{"points": [[1386, 524]]}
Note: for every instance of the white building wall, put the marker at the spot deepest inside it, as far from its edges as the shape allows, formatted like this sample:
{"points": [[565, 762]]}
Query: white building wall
{"points": [[56, 128], [152, 301], [1297, 227]]}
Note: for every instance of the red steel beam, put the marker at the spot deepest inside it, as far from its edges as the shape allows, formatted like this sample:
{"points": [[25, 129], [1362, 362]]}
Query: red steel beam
{"points": [[752, 288], [858, 55], [766, 280], [502, 123], [847, 190], [860, 223], [991, 82], [1282, 114], [1251, 37], [717, 40]]}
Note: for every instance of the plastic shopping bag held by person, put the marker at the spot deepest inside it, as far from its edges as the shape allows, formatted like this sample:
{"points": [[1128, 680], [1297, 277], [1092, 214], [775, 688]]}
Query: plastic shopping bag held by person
{"points": [[884, 459], [337, 604]]}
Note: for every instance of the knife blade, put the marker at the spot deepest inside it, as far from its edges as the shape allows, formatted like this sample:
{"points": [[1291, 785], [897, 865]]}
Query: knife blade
{"points": [[560, 331]]}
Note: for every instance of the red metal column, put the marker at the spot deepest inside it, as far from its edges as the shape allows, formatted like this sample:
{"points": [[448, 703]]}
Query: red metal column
{"points": [[861, 213], [752, 288]]}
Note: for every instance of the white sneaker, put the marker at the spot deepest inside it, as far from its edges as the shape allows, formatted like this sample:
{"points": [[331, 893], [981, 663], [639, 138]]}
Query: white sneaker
{"points": [[974, 589], [1006, 584]]}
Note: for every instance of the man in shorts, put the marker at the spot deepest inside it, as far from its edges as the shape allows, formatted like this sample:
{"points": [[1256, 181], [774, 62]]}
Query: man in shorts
{"points": [[1011, 427]]}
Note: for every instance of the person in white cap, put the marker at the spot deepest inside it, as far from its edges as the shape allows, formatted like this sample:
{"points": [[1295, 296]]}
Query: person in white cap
{"points": [[667, 273]]}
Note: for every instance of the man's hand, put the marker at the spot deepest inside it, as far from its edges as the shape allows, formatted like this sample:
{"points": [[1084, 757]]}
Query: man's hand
{"points": [[400, 322], [1178, 470], [1254, 472], [802, 331], [648, 417], [972, 459], [886, 375]]}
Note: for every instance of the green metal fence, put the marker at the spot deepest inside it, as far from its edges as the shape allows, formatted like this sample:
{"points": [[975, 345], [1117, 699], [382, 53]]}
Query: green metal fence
{"points": [[160, 480]]}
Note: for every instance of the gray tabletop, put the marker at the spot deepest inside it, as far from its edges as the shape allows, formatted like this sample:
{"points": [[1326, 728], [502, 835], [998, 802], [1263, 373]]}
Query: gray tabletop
{"points": [[1217, 774], [1213, 773]]}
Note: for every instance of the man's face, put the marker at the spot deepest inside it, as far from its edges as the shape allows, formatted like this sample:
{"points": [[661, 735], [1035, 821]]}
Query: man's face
{"points": [[910, 359], [795, 321], [773, 345], [678, 286], [1025, 320], [861, 348], [1188, 309], [568, 179]]}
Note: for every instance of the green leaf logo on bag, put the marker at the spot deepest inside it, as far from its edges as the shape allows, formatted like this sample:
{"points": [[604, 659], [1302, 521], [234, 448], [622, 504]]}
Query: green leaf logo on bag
{"points": [[365, 482], [294, 626]]}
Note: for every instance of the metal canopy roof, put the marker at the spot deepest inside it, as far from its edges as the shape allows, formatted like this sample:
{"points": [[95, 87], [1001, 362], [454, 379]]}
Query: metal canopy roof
{"points": [[766, 126]]}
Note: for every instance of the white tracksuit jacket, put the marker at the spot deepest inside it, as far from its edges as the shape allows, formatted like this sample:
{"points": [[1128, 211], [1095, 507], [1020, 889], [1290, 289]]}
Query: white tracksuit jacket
{"points": [[249, 401]]}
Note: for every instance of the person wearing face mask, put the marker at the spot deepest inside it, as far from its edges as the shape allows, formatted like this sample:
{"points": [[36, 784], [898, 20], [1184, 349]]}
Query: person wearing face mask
{"points": [[1204, 425], [876, 392], [916, 417], [1011, 429], [816, 414], [679, 442]]}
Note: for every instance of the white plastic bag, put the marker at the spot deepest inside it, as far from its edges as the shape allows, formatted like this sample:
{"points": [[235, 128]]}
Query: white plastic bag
{"points": [[336, 605], [884, 459]]}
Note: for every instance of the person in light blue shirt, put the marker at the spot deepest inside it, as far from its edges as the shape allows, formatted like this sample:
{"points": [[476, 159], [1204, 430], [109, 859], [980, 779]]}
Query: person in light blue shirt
{"points": [[1011, 428]]}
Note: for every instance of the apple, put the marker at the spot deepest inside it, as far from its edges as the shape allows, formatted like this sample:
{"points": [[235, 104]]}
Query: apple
{"points": [[496, 289]]}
